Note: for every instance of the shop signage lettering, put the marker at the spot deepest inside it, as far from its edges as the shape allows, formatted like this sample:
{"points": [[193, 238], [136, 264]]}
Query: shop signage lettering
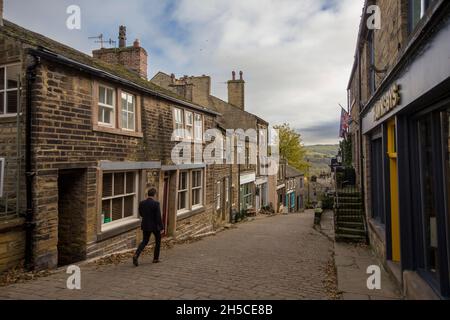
{"points": [[388, 102]]}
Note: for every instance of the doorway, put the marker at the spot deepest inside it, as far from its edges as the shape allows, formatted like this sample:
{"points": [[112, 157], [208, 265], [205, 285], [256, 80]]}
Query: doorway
{"points": [[72, 194]]}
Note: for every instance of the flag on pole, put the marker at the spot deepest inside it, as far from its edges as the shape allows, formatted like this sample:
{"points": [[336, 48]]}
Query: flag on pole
{"points": [[345, 119]]}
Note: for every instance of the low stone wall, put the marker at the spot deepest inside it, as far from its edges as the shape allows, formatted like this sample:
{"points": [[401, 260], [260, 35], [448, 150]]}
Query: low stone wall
{"points": [[12, 244]]}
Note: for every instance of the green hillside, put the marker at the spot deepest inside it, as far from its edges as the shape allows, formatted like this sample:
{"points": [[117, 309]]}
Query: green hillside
{"points": [[320, 157]]}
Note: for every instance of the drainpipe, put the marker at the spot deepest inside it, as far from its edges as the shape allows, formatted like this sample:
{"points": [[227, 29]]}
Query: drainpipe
{"points": [[361, 153], [29, 217]]}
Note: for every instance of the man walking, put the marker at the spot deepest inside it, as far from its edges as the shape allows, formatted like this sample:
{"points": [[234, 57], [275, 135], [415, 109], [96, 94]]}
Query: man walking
{"points": [[150, 211]]}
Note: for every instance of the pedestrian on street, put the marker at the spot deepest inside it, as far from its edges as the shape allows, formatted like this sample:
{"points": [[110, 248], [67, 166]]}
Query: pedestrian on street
{"points": [[150, 211]]}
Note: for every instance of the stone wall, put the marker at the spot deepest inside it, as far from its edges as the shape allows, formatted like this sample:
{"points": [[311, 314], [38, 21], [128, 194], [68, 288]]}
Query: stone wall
{"points": [[12, 243]]}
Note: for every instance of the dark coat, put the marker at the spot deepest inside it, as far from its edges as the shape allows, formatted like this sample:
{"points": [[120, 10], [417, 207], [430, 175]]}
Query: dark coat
{"points": [[150, 211]]}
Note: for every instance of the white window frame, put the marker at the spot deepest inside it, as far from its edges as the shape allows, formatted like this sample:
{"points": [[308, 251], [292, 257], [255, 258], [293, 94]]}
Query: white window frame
{"points": [[124, 220], [187, 191], [5, 90], [189, 126], [2, 176], [200, 188], [104, 105], [127, 111], [198, 127], [178, 122], [218, 195], [249, 195]]}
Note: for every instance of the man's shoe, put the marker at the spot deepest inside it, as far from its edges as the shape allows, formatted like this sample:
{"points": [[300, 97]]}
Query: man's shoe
{"points": [[135, 261], [156, 261]]}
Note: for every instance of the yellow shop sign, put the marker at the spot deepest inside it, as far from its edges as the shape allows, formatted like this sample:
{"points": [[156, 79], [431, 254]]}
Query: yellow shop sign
{"points": [[389, 101]]}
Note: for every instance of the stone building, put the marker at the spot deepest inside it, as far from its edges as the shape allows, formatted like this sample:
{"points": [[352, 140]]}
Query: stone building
{"points": [[295, 193], [399, 96], [82, 142], [251, 186]]}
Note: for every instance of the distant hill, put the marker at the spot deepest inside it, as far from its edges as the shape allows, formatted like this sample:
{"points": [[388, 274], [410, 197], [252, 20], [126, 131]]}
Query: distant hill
{"points": [[320, 157]]}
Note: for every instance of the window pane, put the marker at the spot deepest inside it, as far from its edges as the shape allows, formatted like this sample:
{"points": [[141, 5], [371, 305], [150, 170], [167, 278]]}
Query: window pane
{"points": [[107, 185], [124, 119], [105, 115], [11, 103], [117, 209], [130, 121], [101, 95], [130, 182], [182, 200], [128, 206], [2, 103], [12, 75], [110, 97], [2, 78], [119, 181], [183, 181], [106, 211], [124, 101]]}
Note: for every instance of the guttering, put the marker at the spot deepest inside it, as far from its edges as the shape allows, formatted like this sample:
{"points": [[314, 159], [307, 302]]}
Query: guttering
{"points": [[30, 223], [44, 53]]}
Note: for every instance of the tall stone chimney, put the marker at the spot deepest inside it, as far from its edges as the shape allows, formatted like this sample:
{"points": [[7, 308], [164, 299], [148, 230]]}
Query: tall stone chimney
{"points": [[133, 57], [236, 91], [1, 13]]}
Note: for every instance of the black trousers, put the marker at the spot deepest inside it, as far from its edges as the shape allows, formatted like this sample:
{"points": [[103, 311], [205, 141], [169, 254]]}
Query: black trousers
{"points": [[146, 240]]}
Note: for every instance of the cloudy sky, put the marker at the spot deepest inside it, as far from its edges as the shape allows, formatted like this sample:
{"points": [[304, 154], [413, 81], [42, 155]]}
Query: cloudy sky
{"points": [[296, 55]]}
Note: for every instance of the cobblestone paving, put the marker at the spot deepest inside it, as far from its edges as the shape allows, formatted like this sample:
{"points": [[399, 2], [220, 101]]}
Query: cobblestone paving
{"points": [[279, 257]]}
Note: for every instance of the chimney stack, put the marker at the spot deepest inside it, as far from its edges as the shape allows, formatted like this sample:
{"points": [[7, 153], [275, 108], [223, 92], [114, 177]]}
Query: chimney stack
{"points": [[1, 13], [236, 91], [134, 58]]}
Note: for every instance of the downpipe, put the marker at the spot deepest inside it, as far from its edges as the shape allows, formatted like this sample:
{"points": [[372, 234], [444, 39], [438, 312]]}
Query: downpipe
{"points": [[30, 223]]}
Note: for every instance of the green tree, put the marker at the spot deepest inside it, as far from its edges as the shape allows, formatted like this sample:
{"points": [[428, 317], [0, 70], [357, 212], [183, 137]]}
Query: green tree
{"points": [[292, 148]]}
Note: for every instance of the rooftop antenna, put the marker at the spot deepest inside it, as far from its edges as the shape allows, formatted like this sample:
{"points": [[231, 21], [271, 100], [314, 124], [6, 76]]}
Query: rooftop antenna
{"points": [[100, 40]]}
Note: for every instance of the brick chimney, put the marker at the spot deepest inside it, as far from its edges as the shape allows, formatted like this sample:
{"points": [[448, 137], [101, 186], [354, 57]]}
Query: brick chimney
{"points": [[1, 13], [236, 91], [133, 57]]}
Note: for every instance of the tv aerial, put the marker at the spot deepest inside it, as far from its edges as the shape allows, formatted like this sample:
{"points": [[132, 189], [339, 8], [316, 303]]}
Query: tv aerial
{"points": [[100, 39]]}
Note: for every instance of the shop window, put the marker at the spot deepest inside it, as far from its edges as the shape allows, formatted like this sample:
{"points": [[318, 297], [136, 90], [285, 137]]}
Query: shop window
{"points": [[247, 196], [119, 197], [9, 87], [429, 213]]}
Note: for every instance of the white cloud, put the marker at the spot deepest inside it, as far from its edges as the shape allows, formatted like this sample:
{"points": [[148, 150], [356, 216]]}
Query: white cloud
{"points": [[296, 57]]}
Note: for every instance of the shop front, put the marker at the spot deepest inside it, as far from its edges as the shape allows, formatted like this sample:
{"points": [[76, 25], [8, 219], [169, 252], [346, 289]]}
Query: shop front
{"points": [[407, 169]]}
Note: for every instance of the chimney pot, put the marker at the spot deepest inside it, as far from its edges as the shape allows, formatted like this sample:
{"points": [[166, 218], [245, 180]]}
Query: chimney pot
{"points": [[122, 37], [241, 75], [233, 74], [137, 43]]}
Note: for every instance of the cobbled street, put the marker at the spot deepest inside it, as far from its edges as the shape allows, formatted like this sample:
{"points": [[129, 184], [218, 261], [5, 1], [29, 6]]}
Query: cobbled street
{"points": [[279, 257]]}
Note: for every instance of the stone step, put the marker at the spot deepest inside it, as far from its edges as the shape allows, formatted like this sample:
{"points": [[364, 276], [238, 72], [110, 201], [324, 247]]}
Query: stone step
{"points": [[351, 205], [348, 200], [349, 212], [349, 194], [351, 231], [349, 218], [350, 238], [351, 224]]}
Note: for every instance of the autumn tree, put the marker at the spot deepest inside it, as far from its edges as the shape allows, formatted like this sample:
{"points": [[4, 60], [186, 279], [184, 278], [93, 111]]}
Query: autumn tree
{"points": [[291, 147]]}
